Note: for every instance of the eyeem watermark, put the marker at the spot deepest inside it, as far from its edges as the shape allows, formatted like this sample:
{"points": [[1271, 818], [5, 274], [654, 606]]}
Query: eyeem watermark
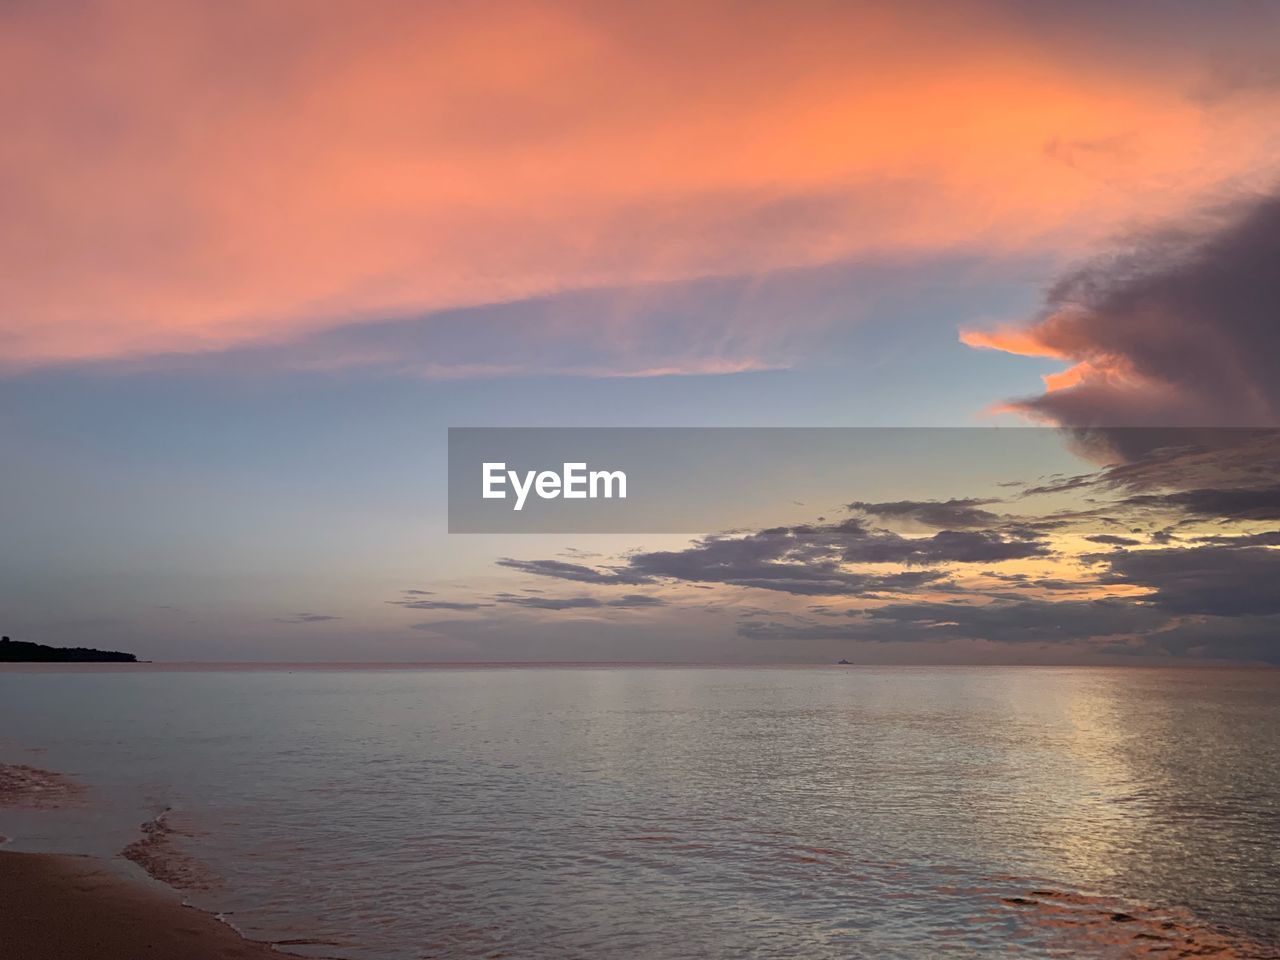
{"points": [[697, 481], [574, 482]]}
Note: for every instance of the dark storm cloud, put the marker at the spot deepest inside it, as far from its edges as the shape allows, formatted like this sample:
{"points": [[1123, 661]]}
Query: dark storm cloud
{"points": [[944, 514], [1214, 580], [1180, 329]]}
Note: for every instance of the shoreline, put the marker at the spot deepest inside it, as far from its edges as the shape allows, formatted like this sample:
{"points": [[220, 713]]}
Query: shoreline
{"points": [[73, 907], [64, 907]]}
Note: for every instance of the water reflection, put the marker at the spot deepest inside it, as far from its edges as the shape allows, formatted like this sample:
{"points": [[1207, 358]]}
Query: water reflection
{"points": [[673, 813]]}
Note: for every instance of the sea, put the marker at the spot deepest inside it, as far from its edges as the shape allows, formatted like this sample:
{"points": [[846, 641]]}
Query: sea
{"points": [[378, 812]]}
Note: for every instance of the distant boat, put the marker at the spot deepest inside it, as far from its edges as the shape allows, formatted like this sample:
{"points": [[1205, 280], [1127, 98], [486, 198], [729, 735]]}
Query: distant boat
{"points": [[843, 663]]}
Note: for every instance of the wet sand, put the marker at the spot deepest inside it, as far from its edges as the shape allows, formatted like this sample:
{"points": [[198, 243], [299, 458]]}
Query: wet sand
{"points": [[77, 908], [31, 788]]}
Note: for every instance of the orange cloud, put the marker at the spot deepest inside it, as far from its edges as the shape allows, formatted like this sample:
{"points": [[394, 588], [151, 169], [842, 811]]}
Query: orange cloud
{"points": [[1176, 329], [1033, 342], [182, 176], [1017, 341]]}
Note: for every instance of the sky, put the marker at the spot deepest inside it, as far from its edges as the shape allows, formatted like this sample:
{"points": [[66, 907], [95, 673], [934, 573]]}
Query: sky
{"points": [[258, 258]]}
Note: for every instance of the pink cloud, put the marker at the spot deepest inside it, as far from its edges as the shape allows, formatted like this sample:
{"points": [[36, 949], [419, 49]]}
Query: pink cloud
{"points": [[188, 177]]}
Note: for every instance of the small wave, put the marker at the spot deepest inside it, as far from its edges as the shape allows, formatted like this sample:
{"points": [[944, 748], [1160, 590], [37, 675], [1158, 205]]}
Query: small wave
{"points": [[158, 852], [1110, 927], [34, 789]]}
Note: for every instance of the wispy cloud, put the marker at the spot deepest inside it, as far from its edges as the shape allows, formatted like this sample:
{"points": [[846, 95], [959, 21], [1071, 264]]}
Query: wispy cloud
{"points": [[581, 573], [293, 167], [581, 602]]}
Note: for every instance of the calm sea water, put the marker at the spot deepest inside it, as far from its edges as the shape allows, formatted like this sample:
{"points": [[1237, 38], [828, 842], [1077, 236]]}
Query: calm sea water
{"points": [[681, 812]]}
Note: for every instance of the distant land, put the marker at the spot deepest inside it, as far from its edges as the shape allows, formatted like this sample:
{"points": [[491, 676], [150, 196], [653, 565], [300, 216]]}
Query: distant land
{"points": [[19, 651]]}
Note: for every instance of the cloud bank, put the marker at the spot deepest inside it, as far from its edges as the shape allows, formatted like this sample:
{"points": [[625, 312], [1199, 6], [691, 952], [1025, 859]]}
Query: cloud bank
{"points": [[1188, 570]]}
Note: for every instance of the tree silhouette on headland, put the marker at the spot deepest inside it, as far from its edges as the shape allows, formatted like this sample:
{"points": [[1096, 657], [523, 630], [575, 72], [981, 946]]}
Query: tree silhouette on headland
{"points": [[20, 651]]}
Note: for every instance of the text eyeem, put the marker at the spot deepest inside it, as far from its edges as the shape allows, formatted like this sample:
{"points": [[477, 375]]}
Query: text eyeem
{"points": [[574, 482]]}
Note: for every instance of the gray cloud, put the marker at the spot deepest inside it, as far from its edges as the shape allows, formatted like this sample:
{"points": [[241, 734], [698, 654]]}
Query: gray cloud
{"points": [[1211, 596], [945, 546], [1268, 538], [1216, 580], [1110, 539], [1228, 504], [439, 604], [1001, 621], [1020, 621], [804, 560], [1179, 329], [811, 560], [1238, 638], [630, 600], [1023, 580], [962, 514], [577, 572], [807, 559]]}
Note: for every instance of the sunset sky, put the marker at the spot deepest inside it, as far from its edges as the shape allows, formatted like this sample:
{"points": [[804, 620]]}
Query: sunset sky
{"points": [[258, 257]]}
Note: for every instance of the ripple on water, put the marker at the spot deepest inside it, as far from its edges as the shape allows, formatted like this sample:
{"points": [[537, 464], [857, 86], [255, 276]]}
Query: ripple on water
{"points": [[677, 814]]}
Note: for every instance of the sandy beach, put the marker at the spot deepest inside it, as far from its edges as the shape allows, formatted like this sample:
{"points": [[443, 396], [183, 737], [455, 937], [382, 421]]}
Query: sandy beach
{"points": [[56, 907], [77, 908]]}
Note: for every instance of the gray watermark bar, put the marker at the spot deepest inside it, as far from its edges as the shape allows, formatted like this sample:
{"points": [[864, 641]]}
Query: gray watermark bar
{"points": [[700, 480]]}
